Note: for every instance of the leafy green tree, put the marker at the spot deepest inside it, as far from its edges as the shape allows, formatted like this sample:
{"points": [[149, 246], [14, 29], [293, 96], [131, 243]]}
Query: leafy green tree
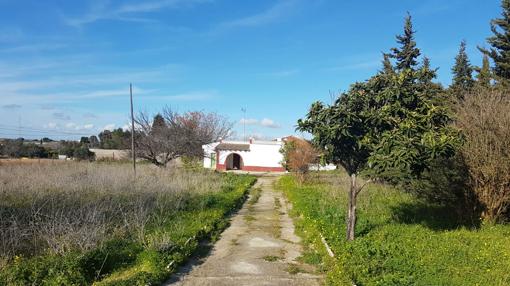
{"points": [[83, 153], [500, 42], [462, 73], [408, 53], [116, 139], [388, 127]]}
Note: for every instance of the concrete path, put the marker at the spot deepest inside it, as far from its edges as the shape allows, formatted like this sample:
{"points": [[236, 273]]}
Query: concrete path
{"points": [[259, 248]]}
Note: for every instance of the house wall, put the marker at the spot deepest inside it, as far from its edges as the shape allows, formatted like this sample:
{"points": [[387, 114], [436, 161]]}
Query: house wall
{"points": [[263, 156], [110, 154], [209, 158]]}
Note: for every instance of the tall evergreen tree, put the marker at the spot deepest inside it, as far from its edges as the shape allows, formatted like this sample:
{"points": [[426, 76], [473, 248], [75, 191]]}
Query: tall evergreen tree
{"points": [[484, 75], [500, 42], [462, 71], [158, 122], [408, 53], [387, 66], [426, 73]]}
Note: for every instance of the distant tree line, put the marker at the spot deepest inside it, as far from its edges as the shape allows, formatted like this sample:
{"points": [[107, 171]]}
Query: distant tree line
{"points": [[16, 148], [19, 148]]}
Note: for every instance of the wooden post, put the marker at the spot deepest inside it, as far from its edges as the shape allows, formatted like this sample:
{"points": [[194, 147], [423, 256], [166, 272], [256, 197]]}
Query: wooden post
{"points": [[132, 129]]}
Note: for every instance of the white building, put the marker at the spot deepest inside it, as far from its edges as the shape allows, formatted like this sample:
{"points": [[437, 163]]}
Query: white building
{"points": [[258, 156]]}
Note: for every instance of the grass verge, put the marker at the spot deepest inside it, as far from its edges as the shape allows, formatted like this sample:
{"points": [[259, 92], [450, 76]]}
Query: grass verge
{"points": [[401, 240]]}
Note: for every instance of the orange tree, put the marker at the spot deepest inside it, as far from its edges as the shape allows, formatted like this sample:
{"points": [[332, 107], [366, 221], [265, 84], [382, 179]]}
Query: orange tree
{"points": [[391, 127]]}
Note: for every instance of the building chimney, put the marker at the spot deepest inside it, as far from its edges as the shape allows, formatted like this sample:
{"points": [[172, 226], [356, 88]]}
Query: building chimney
{"points": [[251, 140]]}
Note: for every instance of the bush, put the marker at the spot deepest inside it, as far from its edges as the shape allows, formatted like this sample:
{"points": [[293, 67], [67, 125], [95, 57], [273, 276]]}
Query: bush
{"points": [[298, 154], [484, 117], [83, 153], [446, 183]]}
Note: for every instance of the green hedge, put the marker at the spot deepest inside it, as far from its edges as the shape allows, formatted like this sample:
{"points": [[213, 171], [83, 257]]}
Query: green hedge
{"points": [[401, 241], [125, 260]]}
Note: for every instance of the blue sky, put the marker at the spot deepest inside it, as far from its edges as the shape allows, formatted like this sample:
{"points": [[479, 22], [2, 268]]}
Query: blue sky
{"points": [[65, 66]]}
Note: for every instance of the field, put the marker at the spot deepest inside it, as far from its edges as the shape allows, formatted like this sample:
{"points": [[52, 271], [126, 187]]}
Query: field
{"points": [[69, 223], [400, 240]]}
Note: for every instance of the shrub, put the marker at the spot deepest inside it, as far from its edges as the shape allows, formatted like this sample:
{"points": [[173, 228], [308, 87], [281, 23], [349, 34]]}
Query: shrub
{"points": [[298, 154], [484, 117], [83, 153]]}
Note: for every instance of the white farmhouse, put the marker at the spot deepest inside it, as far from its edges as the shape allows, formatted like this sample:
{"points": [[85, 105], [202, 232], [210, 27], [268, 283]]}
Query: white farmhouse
{"points": [[254, 155]]}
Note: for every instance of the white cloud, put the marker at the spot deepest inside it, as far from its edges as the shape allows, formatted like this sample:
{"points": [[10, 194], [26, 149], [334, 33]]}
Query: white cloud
{"points": [[282, 73], [249, 121], [266, 122], [275, 13], [11, 106], [70, 125], [51, 125], [110, 127], [193, 96], [102, 11], [187, 96], [88, 126], [61, 116]]}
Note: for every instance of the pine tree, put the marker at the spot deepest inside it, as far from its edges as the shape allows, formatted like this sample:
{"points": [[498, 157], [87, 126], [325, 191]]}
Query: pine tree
{"points": [[158, 124], [387, 66], [500, 42], [408, 53], [484, 75], [462, 71], [426, 73]]}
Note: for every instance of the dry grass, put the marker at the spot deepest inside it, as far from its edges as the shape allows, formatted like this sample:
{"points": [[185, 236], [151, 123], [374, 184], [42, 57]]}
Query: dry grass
{"points": [[75, 206]]}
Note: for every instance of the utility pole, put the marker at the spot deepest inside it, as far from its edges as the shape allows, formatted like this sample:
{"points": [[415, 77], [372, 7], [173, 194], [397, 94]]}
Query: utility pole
{"points": [[132, 129], [244, 123]]}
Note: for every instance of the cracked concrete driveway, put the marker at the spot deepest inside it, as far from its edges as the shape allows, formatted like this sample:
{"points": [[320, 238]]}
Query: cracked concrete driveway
{"points": [[259, 248]]}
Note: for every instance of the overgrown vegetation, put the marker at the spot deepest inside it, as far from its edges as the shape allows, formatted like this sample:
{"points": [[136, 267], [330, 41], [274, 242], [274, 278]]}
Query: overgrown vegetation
{"points": [[298, 155], [401, 240], [484, 117], [79, 223]]}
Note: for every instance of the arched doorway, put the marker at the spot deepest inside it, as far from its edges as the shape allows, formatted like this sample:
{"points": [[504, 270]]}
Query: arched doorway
{"points": [[234, 162]]}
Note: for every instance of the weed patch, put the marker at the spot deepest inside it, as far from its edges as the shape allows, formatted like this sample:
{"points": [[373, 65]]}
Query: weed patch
{"points": [[271, 258], [401, 240], [137, 233]]}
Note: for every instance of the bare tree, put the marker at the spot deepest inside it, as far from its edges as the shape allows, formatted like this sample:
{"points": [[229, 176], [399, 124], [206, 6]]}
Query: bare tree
{"points": [[171, 135]]}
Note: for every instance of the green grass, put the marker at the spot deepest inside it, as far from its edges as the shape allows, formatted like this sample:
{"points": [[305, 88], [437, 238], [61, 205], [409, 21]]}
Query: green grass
{"points": [[254, 196], [125, 260], [400, 240]]}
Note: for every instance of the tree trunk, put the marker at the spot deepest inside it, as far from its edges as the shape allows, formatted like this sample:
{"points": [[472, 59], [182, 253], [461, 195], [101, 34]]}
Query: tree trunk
{"points": [[351, 213]]}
